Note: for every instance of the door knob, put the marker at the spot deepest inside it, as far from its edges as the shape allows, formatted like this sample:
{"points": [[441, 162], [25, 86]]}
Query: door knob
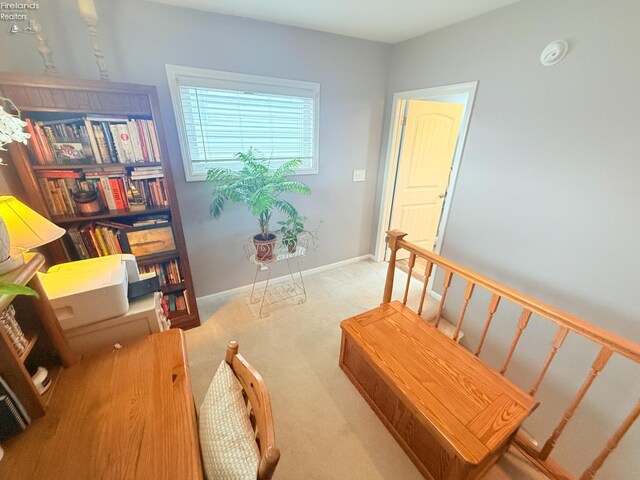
{"points": [[442, 195]]}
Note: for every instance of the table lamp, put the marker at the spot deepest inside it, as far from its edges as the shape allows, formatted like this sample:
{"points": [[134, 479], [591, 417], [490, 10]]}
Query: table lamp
{"points": [[21, 229]]}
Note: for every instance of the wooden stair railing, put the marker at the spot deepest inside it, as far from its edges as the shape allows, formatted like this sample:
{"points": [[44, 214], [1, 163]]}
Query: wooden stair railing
{"points": [[609, 343]]}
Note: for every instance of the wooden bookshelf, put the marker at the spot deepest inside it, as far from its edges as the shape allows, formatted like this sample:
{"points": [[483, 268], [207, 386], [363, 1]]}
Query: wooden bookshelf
{"points": [[48, 98], [47, 345]]}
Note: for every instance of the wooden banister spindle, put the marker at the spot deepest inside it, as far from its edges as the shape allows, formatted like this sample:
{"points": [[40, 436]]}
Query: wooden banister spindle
{"points": [[523, 321], [493, 306], [467, 296], [412, 262], [427, 275], [445, 285], [557, 342], [598, 364], [392, 237], [611, 444]]}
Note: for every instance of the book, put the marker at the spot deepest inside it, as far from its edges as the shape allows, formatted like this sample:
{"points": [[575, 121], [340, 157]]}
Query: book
{"points": [[6, 390]]}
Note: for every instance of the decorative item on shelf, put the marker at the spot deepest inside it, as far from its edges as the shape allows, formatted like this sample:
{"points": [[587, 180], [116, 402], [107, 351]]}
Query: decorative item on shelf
{"points": [[20, 230], [41, 380], [290, 229], [259, 187], [17, 337], [11, 125], [88, 202]]}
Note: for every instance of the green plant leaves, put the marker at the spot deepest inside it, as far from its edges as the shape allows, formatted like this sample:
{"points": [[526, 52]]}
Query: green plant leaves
{"points": [[257, 186], [7, 288]]}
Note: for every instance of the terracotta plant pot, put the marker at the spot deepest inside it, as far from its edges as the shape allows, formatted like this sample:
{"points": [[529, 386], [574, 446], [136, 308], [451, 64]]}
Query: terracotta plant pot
{"points": [[264, 248]]}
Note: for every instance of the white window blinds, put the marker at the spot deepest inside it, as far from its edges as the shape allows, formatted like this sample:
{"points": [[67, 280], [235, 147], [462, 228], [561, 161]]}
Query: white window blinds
{"points": [[231, 113]]}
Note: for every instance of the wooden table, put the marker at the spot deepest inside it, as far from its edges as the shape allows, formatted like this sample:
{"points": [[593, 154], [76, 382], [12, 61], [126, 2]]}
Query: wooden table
{"points": [[126, 414], [452, 414]]}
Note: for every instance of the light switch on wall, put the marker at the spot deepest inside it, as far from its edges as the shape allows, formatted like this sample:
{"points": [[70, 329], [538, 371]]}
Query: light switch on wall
{"points": [[359, 175]]}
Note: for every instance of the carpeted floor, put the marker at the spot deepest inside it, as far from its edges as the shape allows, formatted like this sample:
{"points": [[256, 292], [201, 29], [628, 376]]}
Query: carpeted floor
{"points": [[324, 428]]}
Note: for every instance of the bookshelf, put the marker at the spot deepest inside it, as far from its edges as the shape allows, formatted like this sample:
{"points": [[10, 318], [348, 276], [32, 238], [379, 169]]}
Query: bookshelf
{"points": [[47, 346], [102, 143]]}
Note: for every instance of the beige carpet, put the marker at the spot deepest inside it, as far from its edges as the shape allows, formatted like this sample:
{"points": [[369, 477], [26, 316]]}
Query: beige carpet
{"points": [[324, 428]]}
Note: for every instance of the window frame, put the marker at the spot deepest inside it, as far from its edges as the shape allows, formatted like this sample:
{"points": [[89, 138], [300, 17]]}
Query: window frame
{"points": [[219, 79]]}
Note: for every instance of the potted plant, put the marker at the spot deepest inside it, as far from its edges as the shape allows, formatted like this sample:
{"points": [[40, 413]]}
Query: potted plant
{"points": [[290, 229], [260, 188]]}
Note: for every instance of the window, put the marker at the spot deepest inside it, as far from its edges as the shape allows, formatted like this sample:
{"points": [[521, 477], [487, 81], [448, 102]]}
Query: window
{"points": [[221, 113]]}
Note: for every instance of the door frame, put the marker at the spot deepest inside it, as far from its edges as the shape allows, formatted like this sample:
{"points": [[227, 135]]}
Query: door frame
{"points": [[400, 100]]}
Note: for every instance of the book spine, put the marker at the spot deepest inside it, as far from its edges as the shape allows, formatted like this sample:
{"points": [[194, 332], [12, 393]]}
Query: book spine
{"points": [[102, 246], [117, 143], [117, 193], [93, 141], [76, 239], [69, 205], [85, 234], [34, 145], [126, 142], [154, 140], [108, 194], [143, 142], [48, 198], [135, 141], [123, 192], [110, 142]]}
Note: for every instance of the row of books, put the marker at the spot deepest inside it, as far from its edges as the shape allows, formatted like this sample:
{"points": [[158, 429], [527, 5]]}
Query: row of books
{"points": [[101, 238], [13, 416], [175, 302], [116, 190], [96, 239], [168, 273], [93, 139]]}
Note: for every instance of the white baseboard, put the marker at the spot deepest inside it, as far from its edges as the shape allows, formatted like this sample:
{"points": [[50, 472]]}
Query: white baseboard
{"points": [[283, 278]]}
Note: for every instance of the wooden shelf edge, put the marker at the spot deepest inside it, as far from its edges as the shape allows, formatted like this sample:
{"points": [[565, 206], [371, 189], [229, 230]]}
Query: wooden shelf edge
{"points": [[172, 287], [64, 219], [185, 321], [160, 258], [82, 166]]}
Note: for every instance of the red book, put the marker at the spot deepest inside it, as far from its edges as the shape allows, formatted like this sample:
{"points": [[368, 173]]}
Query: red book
{"points": [[58, 174], [123, 189], [35, 145], [117, 193]]}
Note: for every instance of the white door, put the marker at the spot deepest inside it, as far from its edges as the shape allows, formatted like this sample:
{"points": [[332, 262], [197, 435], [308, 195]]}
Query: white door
{"points": [[424, 166]]}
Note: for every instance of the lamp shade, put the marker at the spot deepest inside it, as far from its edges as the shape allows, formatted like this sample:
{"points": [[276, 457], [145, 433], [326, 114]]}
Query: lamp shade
{"points": [[27, 228]]}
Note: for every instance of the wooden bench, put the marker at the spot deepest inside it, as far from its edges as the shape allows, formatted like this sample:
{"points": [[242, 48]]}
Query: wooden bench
{"points": [[452, 414]]}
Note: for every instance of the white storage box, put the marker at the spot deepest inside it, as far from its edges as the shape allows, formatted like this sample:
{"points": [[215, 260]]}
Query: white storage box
{"points": [[145, 316]]}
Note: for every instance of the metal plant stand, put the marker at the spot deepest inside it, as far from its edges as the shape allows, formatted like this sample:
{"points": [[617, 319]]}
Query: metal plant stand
{"points": [[293, 287]]}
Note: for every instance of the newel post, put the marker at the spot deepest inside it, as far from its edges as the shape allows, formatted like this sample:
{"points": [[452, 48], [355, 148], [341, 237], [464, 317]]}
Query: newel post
{"points": [[392, 240]]}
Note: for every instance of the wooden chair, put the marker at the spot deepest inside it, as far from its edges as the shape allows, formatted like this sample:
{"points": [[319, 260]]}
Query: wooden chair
{"points": [[255, 393]]}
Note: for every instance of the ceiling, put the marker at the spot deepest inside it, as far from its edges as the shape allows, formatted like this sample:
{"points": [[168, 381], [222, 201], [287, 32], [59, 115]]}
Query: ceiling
{"points": [[389, 21]]}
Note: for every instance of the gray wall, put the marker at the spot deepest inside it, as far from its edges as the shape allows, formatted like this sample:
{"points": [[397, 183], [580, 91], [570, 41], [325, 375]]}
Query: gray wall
{"points": [[139, 38], [547, 193]]}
